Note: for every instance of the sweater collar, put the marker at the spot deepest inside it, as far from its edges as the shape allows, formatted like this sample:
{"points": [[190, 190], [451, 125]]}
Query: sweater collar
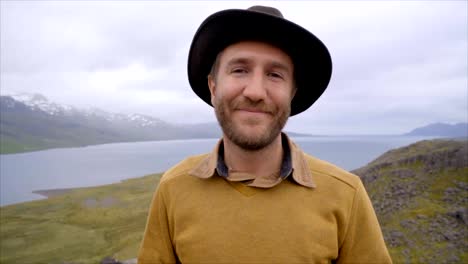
{"points": [[294, 163]]}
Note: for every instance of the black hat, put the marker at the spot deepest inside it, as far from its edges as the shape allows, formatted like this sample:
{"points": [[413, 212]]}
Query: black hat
{"points": [[312, 61]]}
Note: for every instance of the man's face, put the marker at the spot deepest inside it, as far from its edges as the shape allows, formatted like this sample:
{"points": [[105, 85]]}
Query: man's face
{"points": [[251, 93]]}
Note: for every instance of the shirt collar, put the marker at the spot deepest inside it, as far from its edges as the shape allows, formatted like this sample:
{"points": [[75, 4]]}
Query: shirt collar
{"points": [[294, 163]]}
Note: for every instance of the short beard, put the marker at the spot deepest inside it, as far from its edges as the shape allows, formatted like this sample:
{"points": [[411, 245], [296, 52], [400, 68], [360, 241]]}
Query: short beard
{"points": [[253, 142]]}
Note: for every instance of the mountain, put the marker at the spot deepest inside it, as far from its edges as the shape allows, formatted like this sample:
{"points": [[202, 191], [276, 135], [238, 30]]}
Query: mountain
{"points": [[420, 194], [31, 122], [442, 130]]}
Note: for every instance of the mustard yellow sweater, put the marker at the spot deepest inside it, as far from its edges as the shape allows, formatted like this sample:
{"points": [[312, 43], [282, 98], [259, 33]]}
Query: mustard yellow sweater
{"points": [[193, 220]]}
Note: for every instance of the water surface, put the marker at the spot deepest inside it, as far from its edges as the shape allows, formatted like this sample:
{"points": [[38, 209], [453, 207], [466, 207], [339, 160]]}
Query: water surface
{"points": [[20, 174]]}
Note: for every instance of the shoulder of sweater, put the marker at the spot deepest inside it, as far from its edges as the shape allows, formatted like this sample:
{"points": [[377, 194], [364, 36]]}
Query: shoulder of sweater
{"points": [[182, 168], [331, 171]]}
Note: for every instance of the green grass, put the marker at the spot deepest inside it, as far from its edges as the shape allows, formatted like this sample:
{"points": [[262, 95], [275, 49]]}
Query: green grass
{"points": [[408, 189], [82, 226], [10, 146]]}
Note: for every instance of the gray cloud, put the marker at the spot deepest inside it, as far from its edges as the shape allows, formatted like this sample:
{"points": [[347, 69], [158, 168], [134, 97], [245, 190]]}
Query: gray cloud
{"points": [[397, 64], [41, 36]]}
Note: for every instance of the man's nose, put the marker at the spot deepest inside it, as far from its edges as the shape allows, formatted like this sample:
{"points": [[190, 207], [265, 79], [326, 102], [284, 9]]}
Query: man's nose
{"points": [[255, 88]]}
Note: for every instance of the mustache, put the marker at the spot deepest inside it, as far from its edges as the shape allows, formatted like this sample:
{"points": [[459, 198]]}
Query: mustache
{"points": [[246, 104]]}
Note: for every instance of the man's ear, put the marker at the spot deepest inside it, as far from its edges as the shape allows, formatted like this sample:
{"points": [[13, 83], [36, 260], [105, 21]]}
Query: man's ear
{"points": [[293, 92], [212, 86]]}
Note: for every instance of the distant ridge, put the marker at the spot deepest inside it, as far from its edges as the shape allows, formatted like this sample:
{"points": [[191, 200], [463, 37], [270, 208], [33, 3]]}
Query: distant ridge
{"points": [[441, 129], [30, 122]]}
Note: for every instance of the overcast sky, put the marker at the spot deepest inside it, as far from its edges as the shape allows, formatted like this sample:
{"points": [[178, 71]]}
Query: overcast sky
{"points": [[396, 65]]}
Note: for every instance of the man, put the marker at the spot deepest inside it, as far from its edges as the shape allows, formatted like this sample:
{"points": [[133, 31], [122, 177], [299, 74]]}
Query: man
{"points": [[257, 198]]}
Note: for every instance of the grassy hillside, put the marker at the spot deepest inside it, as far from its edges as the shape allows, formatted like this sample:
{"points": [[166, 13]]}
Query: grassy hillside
{"points": [[22, 130], [420, 194], [81, 226], [9, 145]]}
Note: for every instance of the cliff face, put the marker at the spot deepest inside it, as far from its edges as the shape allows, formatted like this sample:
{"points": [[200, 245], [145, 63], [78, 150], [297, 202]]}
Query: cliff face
{"points": [[420, 195]]}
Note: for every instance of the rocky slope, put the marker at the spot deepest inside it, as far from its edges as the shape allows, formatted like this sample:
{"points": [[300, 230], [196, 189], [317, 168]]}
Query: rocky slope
{"points": [[420, 194]]}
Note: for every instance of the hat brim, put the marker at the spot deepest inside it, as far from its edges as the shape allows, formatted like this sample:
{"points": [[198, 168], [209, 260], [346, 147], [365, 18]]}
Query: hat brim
{"points": [[312, 61]]}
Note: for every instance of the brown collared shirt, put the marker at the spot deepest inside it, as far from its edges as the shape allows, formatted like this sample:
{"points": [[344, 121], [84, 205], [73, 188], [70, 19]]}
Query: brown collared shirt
{"points": [[293, 164]]}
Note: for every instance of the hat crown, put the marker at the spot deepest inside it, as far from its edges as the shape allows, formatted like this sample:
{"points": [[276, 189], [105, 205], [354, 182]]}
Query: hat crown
{"points": [[266, 10]]}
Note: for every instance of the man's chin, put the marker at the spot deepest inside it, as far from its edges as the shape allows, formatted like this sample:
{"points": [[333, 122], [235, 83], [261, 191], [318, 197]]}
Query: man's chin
{"points": [[253, 131], [251, 145], [252, 138]]}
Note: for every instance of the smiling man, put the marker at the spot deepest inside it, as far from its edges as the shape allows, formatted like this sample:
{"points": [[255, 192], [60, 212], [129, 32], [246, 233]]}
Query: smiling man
{"points": [[257, 198]]}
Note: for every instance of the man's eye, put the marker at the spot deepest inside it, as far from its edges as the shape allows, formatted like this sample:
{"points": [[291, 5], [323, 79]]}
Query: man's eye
{"points": [[275, 75], [239, 70]]}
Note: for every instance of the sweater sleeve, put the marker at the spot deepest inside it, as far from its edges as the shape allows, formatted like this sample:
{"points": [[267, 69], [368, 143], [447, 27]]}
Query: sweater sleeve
{"points": [[363, 241], [156, 246]]}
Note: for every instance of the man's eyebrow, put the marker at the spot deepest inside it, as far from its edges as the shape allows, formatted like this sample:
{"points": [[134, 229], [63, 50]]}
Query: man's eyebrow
{"points": [[281, 66], [272, 64], [235, 61]]}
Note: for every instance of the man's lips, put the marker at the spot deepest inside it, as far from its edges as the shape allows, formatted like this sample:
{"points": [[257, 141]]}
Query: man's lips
{"points": [[254, 111]]}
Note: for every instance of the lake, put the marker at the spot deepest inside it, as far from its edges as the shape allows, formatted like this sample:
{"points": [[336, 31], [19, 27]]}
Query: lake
{"points": [[20, 174]]}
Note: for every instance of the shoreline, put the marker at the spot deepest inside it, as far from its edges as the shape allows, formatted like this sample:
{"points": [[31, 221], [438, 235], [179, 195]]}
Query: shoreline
{"points": [[48, 193]]}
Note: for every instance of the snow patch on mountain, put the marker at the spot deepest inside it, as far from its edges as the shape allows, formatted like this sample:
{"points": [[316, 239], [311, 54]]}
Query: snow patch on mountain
{"points": [[37, 101]]}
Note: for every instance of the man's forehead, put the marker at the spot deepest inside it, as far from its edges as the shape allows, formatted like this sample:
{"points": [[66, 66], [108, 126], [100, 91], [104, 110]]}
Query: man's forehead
{"points": [[252, 51]]}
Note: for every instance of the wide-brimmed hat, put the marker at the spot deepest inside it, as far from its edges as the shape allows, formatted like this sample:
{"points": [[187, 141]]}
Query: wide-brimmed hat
{"points": [[312, 61]]}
